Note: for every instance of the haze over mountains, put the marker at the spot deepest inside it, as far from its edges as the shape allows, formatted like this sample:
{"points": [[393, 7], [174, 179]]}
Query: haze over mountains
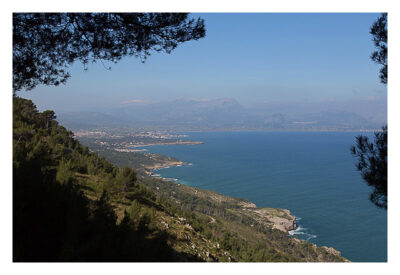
{"points": [[229, 114]]}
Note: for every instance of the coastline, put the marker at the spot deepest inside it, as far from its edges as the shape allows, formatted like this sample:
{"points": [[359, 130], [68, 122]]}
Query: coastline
{"points": [[280, 219], [275, 218], [178, 142], [149, 169]]}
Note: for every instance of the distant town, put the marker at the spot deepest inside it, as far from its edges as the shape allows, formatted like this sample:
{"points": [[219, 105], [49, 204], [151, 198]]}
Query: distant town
{"points": [[129, 141]]}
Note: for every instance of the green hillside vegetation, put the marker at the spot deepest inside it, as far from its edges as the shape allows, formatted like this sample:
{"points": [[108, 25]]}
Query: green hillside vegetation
{"points": [[70, 204]]}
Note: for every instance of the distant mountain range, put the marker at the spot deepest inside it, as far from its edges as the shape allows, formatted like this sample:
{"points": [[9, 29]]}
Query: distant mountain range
{"points": [[227, 113]]}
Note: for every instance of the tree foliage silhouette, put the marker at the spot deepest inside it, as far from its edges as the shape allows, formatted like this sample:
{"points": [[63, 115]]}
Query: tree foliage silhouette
{"points": [[45, 44], [372, 156], [379, 33], [372, 162]]}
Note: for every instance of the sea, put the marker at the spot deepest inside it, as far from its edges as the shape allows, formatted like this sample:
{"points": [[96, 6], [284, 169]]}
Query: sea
{"points": [[313, 174]]}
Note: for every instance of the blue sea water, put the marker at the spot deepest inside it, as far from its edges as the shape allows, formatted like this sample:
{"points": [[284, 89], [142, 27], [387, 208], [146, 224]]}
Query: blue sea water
{"points": [[312, 174]]}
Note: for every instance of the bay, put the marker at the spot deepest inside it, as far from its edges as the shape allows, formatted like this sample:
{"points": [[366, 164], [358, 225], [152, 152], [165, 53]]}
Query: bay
{"points": [[312, 174]]}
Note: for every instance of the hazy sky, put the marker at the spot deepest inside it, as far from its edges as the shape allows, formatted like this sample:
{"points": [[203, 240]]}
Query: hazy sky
{"points": [[254, 58]]}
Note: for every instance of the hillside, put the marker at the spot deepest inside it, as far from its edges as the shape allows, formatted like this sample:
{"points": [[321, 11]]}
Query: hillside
{"points": [[70, 204]]}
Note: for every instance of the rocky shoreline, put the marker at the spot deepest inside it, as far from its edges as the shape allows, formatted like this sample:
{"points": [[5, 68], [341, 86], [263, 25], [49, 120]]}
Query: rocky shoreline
{"points": [[280, 219], [277, 218], [149, 169]]}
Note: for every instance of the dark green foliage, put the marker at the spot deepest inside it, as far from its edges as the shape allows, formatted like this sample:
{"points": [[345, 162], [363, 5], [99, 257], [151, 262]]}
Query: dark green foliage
{"points": [[53, 220], [45, 44], [372, 156], [46, 118], [65, 174], [379, 33], [126, 178], [372, 162]]}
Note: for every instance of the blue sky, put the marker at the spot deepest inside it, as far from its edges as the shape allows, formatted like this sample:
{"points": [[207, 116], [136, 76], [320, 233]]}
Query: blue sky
{"points": [[254, 58]]}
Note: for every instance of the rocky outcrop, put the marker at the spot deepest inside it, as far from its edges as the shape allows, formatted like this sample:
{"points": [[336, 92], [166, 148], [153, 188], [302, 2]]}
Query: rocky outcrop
{"points": [[280, 219], [331, 250]]}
